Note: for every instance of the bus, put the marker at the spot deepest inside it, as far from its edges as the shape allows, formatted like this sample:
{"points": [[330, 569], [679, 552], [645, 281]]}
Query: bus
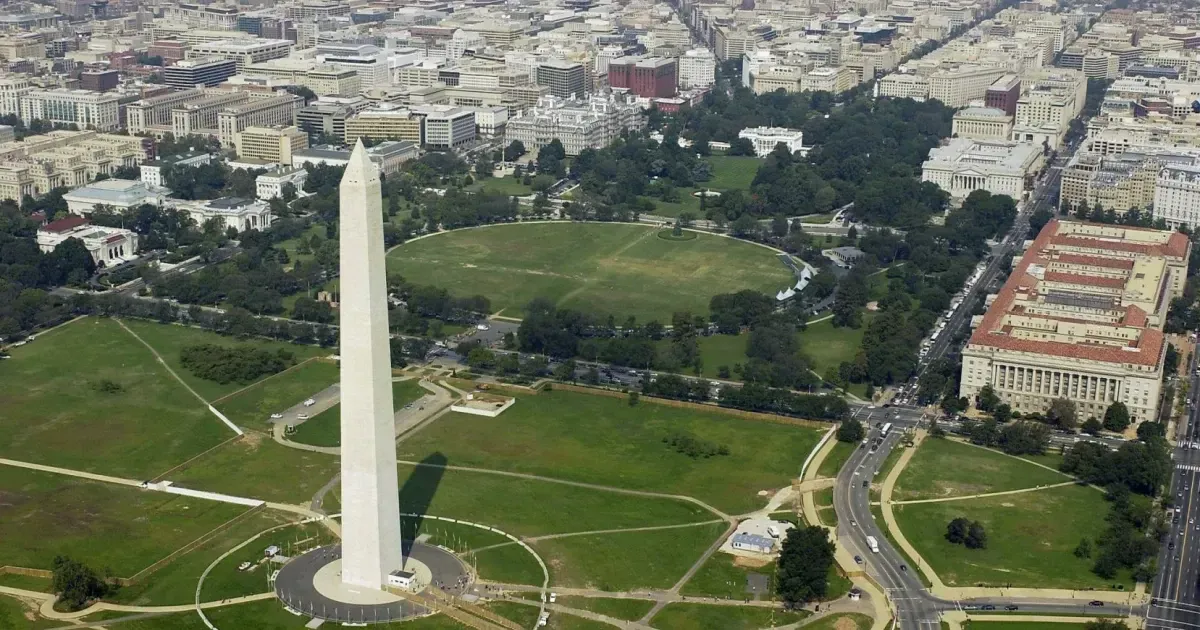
{"points": [[884, 431]]}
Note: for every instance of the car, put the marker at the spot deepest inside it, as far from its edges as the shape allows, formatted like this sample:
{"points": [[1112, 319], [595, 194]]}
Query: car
{"points": [[853, 523], [866, 483], [1011, 607], [987, 607], [1171, 546], [1096, 602], [243, 566], [858, 559], [276, 416], [302, 416], [903, 568], [310, 402]]}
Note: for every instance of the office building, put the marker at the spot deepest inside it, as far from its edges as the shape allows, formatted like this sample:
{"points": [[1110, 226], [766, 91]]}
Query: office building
{"points": [[243, 51], [982, 123], [565, 80], [384, 122], [1081, 318], [445, 126], [651, 77], [258, 112], [99, 80], [697, 69], [116, 194], [1003, 94], [80, 107], [192, 72], [152, 170], [579, 124], [963, 165], [1177, 196], [388, 156], [108, 245], [240, 214], [271, 184], [270, 144]]}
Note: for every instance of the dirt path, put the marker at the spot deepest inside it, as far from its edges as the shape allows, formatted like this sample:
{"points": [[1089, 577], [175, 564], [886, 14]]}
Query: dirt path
{"points": [[985, 494]]}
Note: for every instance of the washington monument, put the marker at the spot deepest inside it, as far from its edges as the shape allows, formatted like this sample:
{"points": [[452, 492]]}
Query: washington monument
{"points": [[370, 497]]}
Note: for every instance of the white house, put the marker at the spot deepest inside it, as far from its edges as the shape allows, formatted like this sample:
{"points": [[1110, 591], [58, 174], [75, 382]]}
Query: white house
{"points": [[240, 214], [764, 139], [270, 184], [108, 246], [119, 194]]}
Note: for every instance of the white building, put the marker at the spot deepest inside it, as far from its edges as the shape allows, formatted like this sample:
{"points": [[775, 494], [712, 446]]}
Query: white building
{"points": [[368, 61], [963, 165], [697, 69], [982, 123], [764, 139], [96, 110], [12, 88], [240, 214], [490, 121], [108, 246], [1177, 195], [753, 543], [152, 172], [270, 184], [579, 124], [118, 194], [243, 51], [445, 126]]}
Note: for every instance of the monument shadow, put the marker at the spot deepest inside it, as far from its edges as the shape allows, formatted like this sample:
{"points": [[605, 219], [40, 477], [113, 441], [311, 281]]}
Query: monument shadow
{"points": [[416, 495]]}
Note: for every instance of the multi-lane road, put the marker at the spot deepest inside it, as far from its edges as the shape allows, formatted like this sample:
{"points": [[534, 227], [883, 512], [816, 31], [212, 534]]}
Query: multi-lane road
{"points": [[1176, 601]]}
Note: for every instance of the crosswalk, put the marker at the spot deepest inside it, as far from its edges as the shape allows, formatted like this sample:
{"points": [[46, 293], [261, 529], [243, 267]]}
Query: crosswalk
{"points": [[1191, 467]]}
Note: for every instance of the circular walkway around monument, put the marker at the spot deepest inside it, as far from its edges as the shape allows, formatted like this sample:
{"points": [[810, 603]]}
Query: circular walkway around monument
{"points": [[309, 585]]}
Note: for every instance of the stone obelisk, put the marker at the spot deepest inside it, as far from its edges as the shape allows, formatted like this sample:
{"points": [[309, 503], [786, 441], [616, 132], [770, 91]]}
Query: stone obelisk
{"points": [[370, 498]]}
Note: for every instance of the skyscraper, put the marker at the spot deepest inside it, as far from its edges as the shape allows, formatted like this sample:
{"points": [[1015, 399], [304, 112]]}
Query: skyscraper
{"points": [[370, 496]]}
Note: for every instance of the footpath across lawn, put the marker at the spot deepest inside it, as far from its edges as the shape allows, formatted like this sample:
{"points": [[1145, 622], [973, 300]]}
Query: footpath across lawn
{"points": [[946, 468], [603, 440]]}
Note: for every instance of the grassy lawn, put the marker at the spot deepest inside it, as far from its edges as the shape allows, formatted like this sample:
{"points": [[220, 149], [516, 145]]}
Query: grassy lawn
{"points": [[325, 429], [728, 173], [945, 468], [525, 507], [602, 440], [25, 582], [253, 406], [722, 576], [608, 269], [625, 561], [823, 497], [1031, 537], [839, 622], [103, 525], [510, 186], [263, 615], [226, 582], [176, 582], [628, 609], [52, 412], [170, 339], [510, 564], [885, 468], [255, 466], [828, 347], [1023, 625], [713, 617], [836, 459], [718, 350]]}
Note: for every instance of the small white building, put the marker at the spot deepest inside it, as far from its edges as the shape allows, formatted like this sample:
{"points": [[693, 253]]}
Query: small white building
{"points": [[108, 246], [152, 171], [401, 579], [764, 139], [270, 184], [754, 543], [118, 194], [240, 214]]}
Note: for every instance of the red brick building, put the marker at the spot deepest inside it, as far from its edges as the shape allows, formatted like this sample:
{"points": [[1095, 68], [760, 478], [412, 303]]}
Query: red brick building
{"points": [[650, 77]]}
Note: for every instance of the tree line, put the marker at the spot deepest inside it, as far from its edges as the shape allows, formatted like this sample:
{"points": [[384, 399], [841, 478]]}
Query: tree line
{"points": [[243, 364]]}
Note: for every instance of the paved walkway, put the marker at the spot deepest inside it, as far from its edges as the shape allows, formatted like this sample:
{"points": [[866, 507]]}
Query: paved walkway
{"points": [[985, 495]]}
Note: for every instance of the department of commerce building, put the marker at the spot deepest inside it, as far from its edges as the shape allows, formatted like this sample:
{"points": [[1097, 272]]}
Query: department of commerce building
{"points": [[1081, 317]]}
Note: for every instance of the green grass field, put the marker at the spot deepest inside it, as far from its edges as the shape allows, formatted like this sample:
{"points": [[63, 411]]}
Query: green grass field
{"points": [[226, 582], [255, 466], [836, 458], [1023, 625], [175, 583], [838, 622], [946, 468], [169, 340], [714, 617], [325, 429], [252, 407], [828, 347], [729, 173], [602, 440], [104, 525], [626, 561], [1031, 537], [501, 186], [719, 576], [51, 411], [718, 350], [616, 269]]}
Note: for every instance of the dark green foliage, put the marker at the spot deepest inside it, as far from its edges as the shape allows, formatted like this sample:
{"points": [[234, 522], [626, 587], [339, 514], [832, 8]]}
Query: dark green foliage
{"points": [[694, 447], [804, 562], [956, 530], [1116, 417], [76, 583], [1017, 438], [851, 431], [976, 537], [1091, 426], [242, 364], [731, 311], [1142, 467]]}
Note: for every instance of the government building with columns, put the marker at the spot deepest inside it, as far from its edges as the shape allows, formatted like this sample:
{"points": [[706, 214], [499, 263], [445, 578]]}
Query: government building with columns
{"points": [[1081, 317]]}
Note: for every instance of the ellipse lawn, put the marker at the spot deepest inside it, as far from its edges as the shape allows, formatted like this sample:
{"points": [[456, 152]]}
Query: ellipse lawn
{"points": [[616, 269]]}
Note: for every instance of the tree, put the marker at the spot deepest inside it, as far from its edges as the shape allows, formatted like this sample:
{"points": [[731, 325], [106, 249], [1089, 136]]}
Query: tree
{"points": [[804, 562], [741, 146], [76, 583], [956, 530], [987, 398], [851, 431], [1062, 413], [1116, 417], [633, 399], [514, 150], [1091, 426], [976, 536], [1084, 548], [1147, 431]]}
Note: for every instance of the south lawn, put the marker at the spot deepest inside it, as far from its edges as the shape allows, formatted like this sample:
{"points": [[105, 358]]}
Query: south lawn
{"points": [[89, 396], [946, 468], [603, 440], [615, 269], [729, 173], [1031, 538]]}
